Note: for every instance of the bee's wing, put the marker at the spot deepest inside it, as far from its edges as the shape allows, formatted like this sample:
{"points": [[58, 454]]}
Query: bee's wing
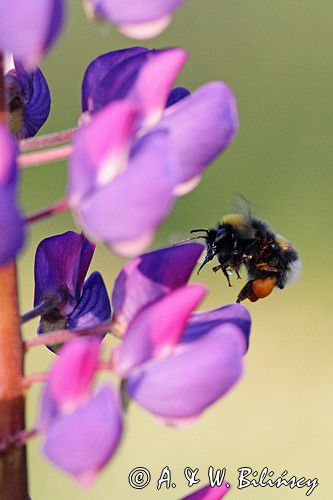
{"points": [[241, 205]]}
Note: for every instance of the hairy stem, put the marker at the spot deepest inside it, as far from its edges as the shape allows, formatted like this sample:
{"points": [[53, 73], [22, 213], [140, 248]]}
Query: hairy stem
{"points": [[46, 156], [63, 336], [47, 140], [13, 462], [13, 468], [55, 208]]}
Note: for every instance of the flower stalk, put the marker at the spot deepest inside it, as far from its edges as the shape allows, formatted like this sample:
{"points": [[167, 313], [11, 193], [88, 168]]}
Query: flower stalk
{"points": [[56, 208], [13, 467], [45, 156], [63, 336], [48, 140], [13, 462]]}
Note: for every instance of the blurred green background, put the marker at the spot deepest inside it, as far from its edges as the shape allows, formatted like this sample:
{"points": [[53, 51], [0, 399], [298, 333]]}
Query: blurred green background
{"points": [[277, 57]]}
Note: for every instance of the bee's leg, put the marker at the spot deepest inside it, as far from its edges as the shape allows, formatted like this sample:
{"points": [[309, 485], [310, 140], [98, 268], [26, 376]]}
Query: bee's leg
{"points": [[237, 273], [246, 293], [257, 289], [216, 268], [225, 272]]}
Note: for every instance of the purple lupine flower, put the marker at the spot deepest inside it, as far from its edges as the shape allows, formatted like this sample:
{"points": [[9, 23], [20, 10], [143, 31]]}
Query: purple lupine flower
{"points": [[177, 363], [82, 430], [11, 221], [28, 101], [120, 194], [65, 300], [28, 28], [150, 277], [209, 493], [143, 19], [113, 75], [115, 202]]}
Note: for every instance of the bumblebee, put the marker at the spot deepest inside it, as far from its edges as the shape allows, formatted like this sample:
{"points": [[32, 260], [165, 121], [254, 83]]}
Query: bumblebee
{"points": [[242, 240]]}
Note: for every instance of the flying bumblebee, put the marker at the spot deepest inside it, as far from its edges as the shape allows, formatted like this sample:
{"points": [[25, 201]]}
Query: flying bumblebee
{"points": [[242, 240]]}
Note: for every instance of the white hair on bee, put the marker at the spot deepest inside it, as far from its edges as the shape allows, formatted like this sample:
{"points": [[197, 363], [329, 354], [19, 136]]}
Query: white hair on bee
{"points": [[294, 271]]}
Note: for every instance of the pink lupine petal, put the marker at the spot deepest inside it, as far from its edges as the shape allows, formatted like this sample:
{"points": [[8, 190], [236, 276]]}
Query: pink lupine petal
{"points": [[201, 126], [209, 493], [101, 150], [136, 201], [149, 277], [157, 328], [192, 378], [73, 372], [155, 81], [83, 442]]}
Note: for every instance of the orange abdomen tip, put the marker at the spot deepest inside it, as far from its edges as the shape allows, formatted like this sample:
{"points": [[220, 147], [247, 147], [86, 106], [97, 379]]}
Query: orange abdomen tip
{"points": [[262, 288]]}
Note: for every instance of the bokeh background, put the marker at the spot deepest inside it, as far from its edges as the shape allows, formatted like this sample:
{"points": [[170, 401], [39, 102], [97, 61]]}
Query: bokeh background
{"points": [[277, 57]]}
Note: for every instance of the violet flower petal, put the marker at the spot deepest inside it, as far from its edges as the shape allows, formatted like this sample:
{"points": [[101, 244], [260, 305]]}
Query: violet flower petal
{"points": [[126, 212], [73, 371], [149, 277], [29, 27], [49, 409], [82, 443], [101, 151], [111, 76], [176, 95], [28, 99], [201, 322], [143, 19], [207, 121], [93, 306], [209, 493], [156, 329], [61, 264], [11, 221], [182, 385]]}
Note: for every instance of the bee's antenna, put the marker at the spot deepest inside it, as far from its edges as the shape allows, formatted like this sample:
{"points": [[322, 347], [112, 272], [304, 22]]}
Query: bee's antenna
{"points": [[189, 239]]}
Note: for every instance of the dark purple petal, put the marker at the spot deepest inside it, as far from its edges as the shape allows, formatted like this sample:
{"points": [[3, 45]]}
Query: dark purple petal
{"points": [[201, 126], [61, 264], [156, 329], [127, 211], [151, 276], [93, 306], [82, 443], [182, 385], [36, 99], [142, 19], [209, 493], [111, 76], [201, 323], [141, 75], [177, 95], [29, 27], [11, 222]]}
